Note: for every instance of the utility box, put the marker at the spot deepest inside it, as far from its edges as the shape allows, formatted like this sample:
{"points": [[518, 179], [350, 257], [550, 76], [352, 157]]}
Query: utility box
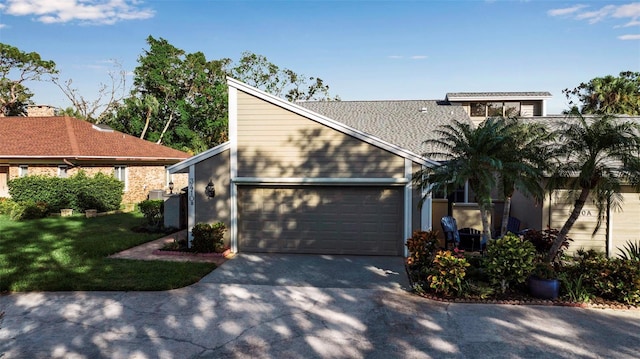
{"points": [[173, 212], [156, 194]]}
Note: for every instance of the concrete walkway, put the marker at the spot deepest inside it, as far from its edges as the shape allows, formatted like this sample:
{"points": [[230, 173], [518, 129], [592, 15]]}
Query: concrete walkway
{"points": [[220, 317]]}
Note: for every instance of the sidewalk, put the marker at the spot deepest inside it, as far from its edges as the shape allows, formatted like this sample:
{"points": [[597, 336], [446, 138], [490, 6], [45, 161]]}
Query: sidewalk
{"points": [[145, 252]]}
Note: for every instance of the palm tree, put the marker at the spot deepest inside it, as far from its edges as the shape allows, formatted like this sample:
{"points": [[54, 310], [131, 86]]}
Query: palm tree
{"points": [[524, 158], [594, 156], [469, 154]]}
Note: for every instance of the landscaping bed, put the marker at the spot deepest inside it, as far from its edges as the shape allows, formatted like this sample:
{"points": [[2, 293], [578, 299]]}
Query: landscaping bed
{"points": [[505, 272]]}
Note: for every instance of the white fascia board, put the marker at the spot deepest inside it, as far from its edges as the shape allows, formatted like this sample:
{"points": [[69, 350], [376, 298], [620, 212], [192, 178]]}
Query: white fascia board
{"points": [[497, 98], [327, 181], [338, 126], [184, 165]]}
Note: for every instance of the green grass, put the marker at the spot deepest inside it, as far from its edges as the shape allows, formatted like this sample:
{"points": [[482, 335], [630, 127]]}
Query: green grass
{"points": [[70, 253]]}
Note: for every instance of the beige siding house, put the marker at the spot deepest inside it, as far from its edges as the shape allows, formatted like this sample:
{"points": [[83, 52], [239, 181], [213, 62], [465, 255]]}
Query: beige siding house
{"points": [[293, 181], [334, 176]]}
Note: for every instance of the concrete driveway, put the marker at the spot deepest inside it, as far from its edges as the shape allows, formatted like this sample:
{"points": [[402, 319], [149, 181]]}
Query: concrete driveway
{"points": [[245, 315]]}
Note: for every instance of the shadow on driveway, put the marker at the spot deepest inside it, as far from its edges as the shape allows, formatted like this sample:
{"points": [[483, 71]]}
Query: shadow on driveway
{"points": [[305, 270]]}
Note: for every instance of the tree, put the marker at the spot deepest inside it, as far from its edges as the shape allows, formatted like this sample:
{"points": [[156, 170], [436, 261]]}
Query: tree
{"points": [[106, 100], [469, 154], [178, 99], [22, 67], [524, 156], [256, 70], [607, 95], [594, 156]]}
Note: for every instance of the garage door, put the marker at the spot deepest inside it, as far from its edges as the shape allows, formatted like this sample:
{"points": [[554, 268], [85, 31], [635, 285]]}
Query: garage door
{"points": [[328, 220]]}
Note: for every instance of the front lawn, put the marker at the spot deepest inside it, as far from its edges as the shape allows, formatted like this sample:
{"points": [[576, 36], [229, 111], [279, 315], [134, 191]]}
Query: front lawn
{"points": [[70, 253]]}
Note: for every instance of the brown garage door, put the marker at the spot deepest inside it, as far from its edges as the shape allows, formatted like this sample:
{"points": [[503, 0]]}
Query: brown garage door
{"points": [[328, 220]]}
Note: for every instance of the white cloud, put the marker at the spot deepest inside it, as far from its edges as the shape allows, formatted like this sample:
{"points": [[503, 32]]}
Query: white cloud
{"points": [[629, 13], [2, 26], [566, 10], [395, 57], [629, 37], [95, 12], [418, 57]]}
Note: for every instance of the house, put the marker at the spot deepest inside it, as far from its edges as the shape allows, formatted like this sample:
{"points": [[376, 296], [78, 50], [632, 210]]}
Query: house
{"points": [[62, 146], [334, 177], [291, 180]]}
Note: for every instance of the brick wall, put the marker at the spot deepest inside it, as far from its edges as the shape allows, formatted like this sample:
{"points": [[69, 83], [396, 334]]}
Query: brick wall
{"points": [[140, 179]]}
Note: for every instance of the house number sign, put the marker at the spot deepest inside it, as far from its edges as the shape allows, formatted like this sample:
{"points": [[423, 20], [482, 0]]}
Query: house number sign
{"points": [[191, 191]]}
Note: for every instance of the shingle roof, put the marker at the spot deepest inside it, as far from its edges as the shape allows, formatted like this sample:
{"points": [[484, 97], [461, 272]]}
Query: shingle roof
{"points": [[67, 137], [405, 123], [458, 96]]}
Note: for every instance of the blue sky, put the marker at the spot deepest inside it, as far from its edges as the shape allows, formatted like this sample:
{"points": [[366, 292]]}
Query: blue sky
{"points": [[364, 50]]}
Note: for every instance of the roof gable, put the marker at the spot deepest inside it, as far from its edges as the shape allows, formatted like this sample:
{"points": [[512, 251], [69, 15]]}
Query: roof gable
{"points": [[330, 122], [67, 137]]}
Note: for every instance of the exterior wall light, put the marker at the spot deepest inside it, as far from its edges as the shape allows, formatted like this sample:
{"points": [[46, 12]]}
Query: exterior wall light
{"points": [[171, 187], [210, 191]]}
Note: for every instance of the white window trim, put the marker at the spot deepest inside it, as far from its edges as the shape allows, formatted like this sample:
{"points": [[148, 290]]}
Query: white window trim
{"points": [[63, 169], [23, 171], [122, 168]]}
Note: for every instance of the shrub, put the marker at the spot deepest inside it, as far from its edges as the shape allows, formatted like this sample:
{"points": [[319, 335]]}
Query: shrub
{"points": [[28, 210], [152, 209], [543, 240], [80, 192], [101, 192], [6, 205], [448, 273], [52, 190], [208, 238], [509, 261], [610, 278], [422, 246]]}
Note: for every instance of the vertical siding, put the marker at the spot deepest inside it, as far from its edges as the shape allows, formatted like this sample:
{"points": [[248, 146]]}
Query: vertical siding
{"points": [[216, 209], [274, 142]]}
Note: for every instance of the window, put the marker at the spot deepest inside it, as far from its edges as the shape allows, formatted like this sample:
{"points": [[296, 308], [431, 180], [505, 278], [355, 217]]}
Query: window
{"points": [[478, 109], [494, 109], [24, 170], [511, 109], [120, 172], [459, 195], [62, 171]]}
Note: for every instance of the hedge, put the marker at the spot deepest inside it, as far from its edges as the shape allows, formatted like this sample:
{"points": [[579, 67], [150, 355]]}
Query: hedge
{"points": [[80, 192]]}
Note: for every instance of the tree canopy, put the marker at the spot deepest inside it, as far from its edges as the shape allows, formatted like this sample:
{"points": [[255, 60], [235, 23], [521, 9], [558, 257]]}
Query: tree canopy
{"points": [[179, 99], [16, 68], [608, 95]]}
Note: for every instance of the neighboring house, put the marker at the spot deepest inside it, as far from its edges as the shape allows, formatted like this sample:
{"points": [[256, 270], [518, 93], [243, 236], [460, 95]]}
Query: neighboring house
{"points": [[291, 180], [62, 146]]}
